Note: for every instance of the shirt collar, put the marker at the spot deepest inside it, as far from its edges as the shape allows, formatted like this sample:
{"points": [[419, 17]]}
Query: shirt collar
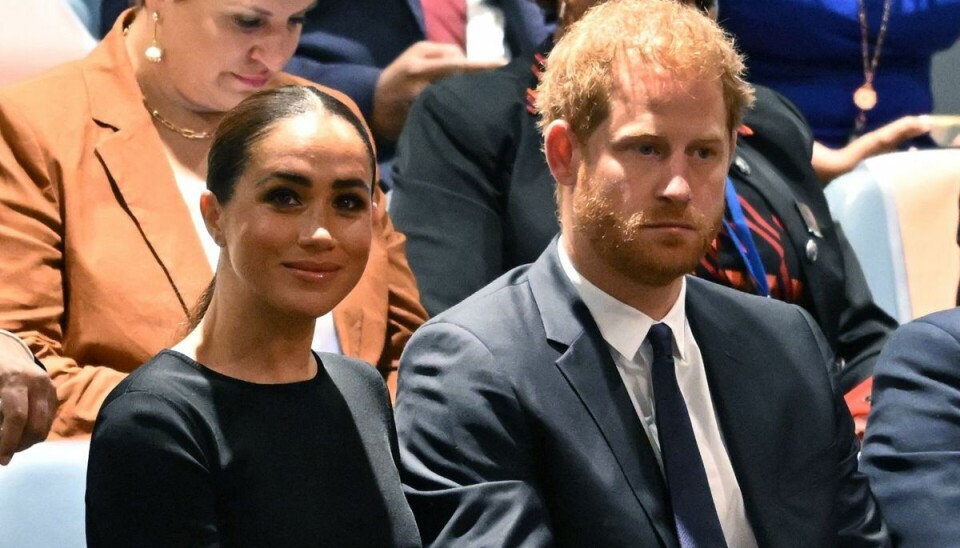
{"points": [[622, 326]]}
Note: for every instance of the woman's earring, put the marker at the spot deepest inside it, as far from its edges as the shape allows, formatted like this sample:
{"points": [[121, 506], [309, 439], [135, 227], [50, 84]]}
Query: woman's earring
{"points": [[154, 53]]}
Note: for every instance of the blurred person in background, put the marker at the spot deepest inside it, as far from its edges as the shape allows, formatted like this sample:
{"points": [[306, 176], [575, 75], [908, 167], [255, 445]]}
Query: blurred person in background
{"points": [[102, 246], [27, 397], [858, 70], [382, 53]]}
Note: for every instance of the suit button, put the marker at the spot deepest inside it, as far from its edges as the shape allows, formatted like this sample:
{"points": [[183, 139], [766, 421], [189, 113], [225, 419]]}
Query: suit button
{"points": [[812, 250], [742, 165]]}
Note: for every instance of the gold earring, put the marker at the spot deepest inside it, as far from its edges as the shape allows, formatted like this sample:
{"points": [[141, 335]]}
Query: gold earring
{"points": [[154, 53]]}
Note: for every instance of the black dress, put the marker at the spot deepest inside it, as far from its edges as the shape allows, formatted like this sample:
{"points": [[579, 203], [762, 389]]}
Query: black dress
{"points": [[184, 456]]}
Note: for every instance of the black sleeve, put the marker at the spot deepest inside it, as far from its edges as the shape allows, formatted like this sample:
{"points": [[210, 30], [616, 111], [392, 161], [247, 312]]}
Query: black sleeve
{"points": [[864, 327], [449, 177], [148, 482]]}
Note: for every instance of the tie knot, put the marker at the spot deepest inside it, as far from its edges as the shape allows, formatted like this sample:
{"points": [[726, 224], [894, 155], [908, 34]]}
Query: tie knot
{"points": [[661, 338]]}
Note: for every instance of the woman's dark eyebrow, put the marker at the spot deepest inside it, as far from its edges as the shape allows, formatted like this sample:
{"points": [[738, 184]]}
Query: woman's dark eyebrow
{"points": [[300, 180], [287, 176], [342, 184]]}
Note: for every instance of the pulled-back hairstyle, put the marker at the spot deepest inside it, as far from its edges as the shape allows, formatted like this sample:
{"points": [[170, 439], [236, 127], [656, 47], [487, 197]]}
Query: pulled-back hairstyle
{"points": [[251, 121], [248, 124], [667, 38]]}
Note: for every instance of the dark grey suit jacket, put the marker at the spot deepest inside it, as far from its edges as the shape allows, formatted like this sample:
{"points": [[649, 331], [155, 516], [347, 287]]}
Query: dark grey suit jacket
{"points": [[516, 429], [912, 449]]}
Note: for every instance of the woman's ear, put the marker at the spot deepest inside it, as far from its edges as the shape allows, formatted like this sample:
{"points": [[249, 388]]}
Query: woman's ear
{"points": [[562, 152], [211, 212]]}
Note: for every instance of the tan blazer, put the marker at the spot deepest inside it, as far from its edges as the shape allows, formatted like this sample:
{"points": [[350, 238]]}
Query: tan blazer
{"points": [[99, 259]]}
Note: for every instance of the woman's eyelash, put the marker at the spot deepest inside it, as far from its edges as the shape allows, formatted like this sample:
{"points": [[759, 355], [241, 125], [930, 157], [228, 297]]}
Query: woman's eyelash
{"points": [[282, 197], [247, 22]]}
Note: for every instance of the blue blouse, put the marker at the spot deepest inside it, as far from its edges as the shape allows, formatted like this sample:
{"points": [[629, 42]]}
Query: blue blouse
{"points": [[810, 51]]}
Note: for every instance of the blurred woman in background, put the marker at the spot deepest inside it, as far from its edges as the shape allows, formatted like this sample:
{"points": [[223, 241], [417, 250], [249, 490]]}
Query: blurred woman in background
{"points": [[858, 70], [102, 246]]}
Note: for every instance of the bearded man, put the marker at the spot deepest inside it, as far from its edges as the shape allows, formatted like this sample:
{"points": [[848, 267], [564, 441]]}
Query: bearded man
{"points": [[600, 396]]}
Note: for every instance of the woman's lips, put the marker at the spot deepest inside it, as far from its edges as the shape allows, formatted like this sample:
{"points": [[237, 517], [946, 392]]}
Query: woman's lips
{"points": [[313, 271], [257, 81]]}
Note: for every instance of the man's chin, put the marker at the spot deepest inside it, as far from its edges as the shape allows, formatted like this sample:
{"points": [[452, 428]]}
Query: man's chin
{"points": [[654, 264]]}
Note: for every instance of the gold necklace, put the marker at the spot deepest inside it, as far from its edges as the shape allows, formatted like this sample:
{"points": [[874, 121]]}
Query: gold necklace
{"points": [[182, 131], [865, 96]]}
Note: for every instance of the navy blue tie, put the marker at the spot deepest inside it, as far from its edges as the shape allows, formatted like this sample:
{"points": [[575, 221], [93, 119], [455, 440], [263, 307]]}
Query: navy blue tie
{"points": [[693, 508]]}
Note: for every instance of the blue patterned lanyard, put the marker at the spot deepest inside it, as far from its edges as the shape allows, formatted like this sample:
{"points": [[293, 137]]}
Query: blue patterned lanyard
{"points": [[742, 238]]}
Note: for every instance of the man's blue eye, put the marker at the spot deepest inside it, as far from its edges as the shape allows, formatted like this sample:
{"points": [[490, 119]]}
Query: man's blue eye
{"points": [[646, 150]]}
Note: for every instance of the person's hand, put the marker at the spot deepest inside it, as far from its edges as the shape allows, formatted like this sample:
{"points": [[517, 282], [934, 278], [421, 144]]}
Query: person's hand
{"points": [[403, 80], [831, 163], [27, 400]]}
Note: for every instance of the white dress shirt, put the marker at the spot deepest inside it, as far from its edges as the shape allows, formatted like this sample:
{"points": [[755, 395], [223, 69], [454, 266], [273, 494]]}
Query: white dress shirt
{"points": [[624, 329], [486, 39]]}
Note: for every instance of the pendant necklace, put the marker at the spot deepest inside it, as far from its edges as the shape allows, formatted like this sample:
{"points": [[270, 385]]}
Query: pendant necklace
{"points": [[186, 133], [865, 97]]}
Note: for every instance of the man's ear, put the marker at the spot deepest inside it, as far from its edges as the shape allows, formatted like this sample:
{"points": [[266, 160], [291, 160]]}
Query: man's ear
{"points": [[211, 212], [733, 150], [562, 151]]}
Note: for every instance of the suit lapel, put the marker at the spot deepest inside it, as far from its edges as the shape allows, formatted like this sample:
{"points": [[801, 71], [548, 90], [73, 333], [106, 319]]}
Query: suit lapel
{"points": [[416, 10], [588, 367], [736, 372], [136, 166]]}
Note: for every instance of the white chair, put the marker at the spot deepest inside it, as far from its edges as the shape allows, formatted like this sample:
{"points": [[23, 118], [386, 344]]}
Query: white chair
{"points": [[899, 212], [42, 496]]}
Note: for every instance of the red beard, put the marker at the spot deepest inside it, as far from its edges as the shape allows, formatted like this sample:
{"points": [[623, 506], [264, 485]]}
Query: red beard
{"points": [[631, 248]]}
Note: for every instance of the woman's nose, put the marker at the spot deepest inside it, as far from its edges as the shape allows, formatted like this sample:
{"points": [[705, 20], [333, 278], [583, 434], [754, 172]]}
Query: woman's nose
{"points": [[276, 50], [316, 235]]}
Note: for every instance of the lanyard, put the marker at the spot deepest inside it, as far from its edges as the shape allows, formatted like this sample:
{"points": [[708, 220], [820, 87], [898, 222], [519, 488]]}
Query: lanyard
{"points": [[742, 238]]}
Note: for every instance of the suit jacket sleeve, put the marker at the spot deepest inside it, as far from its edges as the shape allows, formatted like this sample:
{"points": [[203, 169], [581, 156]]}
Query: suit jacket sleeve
{"points": [[466, 453], [448, 190], [32, 291], [859, 521], [912, 447]]}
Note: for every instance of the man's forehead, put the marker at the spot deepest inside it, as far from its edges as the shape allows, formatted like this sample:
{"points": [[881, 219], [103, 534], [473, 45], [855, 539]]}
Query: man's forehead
{"points": [[637, 80]]}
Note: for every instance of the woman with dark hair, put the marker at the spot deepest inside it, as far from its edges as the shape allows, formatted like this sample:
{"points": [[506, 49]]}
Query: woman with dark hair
{"points": [[240, 435], [102, 246]]}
